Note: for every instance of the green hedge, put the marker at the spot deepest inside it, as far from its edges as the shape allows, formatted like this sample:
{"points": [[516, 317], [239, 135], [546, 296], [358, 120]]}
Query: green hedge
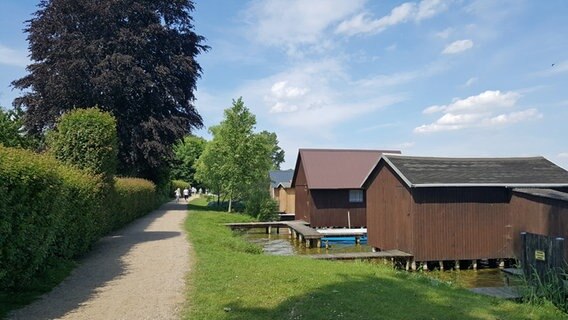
{"points": [[177, 184], [134, 197], [50, 210]]}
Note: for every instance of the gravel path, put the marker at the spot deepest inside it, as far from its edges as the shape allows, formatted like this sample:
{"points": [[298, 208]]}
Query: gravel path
{"points": [[138, 272]]}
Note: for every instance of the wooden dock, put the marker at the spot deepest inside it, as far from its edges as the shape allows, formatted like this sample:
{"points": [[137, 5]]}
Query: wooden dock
{"points": [[361, 255], [298, 230], [508, 293]]}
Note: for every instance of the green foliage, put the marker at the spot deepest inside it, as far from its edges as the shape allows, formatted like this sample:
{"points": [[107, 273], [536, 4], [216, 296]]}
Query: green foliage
{"points": [[276, 153], [177, 184], [134, 197], [51, 211], [37, 207], [259, 204], [11, 130], [86, 139], [186, 152], [135, 59], [237, 160]]}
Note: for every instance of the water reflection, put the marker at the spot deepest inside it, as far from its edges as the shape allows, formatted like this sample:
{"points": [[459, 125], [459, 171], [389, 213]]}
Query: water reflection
{"points": [[283, 244]]}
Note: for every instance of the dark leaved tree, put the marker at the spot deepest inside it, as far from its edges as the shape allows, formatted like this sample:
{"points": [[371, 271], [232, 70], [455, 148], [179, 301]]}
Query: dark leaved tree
{"points": [[132, 58]]}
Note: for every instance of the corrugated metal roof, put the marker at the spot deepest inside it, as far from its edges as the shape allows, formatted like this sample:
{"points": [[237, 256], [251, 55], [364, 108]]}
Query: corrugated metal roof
{"points": [[338, 168], [280, 176], [463, 172], [544, 193]]}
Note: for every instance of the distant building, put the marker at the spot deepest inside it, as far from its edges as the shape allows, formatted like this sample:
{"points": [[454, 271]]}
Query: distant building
{"points": [[328, 185], [281, 191]]}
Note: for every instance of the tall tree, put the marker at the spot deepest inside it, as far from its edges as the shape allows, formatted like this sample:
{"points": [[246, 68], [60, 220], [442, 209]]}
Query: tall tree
{"points": [[243, 157], [133, 58], [186, 153], [277, 154]]}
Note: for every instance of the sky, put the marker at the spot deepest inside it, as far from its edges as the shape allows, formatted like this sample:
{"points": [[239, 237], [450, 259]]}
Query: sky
{"points": [[451, 78]]}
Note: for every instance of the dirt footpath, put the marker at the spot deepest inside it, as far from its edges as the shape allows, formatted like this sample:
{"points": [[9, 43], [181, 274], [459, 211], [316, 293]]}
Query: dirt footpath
{"points": [[138, 272]]}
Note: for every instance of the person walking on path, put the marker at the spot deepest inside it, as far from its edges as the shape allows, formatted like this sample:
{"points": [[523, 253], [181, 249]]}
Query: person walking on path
{"points": [[138, 272], [178, 194], [186, 194]]}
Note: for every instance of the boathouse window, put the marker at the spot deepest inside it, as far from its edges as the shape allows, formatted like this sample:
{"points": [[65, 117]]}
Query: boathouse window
{"points": [[355, 195]]}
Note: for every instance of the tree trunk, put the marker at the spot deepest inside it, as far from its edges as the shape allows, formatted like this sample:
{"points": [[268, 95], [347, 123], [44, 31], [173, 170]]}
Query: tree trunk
{"points": [[230, 204], [218, 199]]}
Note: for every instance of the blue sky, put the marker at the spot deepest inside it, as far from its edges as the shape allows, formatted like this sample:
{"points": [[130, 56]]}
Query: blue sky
{"points": [[436, 78]]}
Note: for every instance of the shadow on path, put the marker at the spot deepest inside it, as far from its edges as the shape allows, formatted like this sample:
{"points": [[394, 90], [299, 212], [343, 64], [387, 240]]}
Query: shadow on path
{"points": [[103, 264]]}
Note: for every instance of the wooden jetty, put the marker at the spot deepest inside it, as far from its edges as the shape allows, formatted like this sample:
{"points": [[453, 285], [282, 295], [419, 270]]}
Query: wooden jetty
{"points": [[388, 254], [508, 293], [298, 230]]}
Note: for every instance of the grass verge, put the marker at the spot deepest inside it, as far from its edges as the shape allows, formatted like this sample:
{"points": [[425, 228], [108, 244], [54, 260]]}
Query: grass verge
{"points": [[55, 271], [233, 280]]}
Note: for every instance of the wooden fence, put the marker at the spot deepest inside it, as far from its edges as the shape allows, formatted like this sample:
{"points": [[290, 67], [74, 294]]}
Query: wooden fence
{"points": [[542, 257]]}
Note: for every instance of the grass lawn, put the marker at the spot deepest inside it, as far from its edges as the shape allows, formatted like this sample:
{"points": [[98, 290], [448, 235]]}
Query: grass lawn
{"points": [[231, 279]]}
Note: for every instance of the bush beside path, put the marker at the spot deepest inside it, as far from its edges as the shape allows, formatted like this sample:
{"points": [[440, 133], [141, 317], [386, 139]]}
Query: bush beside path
{"points": [[137, 272]]}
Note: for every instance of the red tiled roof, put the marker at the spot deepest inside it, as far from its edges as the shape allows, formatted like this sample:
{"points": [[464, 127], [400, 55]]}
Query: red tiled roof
{"points": [[338, 168]]}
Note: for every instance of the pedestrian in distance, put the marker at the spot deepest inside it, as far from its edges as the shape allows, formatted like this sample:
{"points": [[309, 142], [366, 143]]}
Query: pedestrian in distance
{"points": [[186, 193], [178, 194]]}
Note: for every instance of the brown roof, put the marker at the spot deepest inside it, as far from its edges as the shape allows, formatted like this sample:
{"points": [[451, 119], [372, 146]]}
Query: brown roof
{"points": [[337, 168]]}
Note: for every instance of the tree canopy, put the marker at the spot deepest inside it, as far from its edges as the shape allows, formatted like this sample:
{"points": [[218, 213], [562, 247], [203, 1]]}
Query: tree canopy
{"points": [[132, 58], [237, 160], [187, 151]]}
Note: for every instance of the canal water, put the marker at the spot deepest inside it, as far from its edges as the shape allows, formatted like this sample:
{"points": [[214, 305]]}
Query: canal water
{"points": [[283, 244]]}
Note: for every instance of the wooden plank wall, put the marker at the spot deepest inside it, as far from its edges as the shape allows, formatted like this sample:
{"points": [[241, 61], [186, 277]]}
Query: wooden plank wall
{"points": [[329, 209], [461, 223], [302, 207], [389, 216], [538, 215]]}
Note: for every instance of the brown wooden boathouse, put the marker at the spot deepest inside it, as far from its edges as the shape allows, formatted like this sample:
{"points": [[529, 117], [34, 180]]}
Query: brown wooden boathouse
{"points": [[328, 185], [440, 209]]}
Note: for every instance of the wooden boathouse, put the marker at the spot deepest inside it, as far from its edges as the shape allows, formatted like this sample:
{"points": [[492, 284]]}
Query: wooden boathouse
{"points": [[453, 209], [328, 186]]}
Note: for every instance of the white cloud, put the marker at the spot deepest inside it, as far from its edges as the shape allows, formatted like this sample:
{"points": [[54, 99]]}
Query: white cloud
{"points": [[444, 34], [293, 22], [563, 155], [429, 8], [480, 103], [458, 46], [408, 11], [11, 57], [515, 117], [314, 97], [470, 82], [482, 110], [281, 89], [394, 79]]}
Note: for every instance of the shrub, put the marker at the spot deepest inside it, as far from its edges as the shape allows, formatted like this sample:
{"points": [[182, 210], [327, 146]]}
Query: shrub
{"points": [[178, 184], [86, 139], [133, 197], [47, 209], [54, 211]]}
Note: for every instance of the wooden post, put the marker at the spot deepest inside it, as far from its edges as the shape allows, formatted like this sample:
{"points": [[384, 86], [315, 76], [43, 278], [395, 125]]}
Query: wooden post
{"points": [[269, 229], [318, 242], [407, 266], [308, 243], [457, 266], [501, 263], [474, 264], [349, 219], [413, 265], [441, 265], [374, 249], [425, 266]]}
